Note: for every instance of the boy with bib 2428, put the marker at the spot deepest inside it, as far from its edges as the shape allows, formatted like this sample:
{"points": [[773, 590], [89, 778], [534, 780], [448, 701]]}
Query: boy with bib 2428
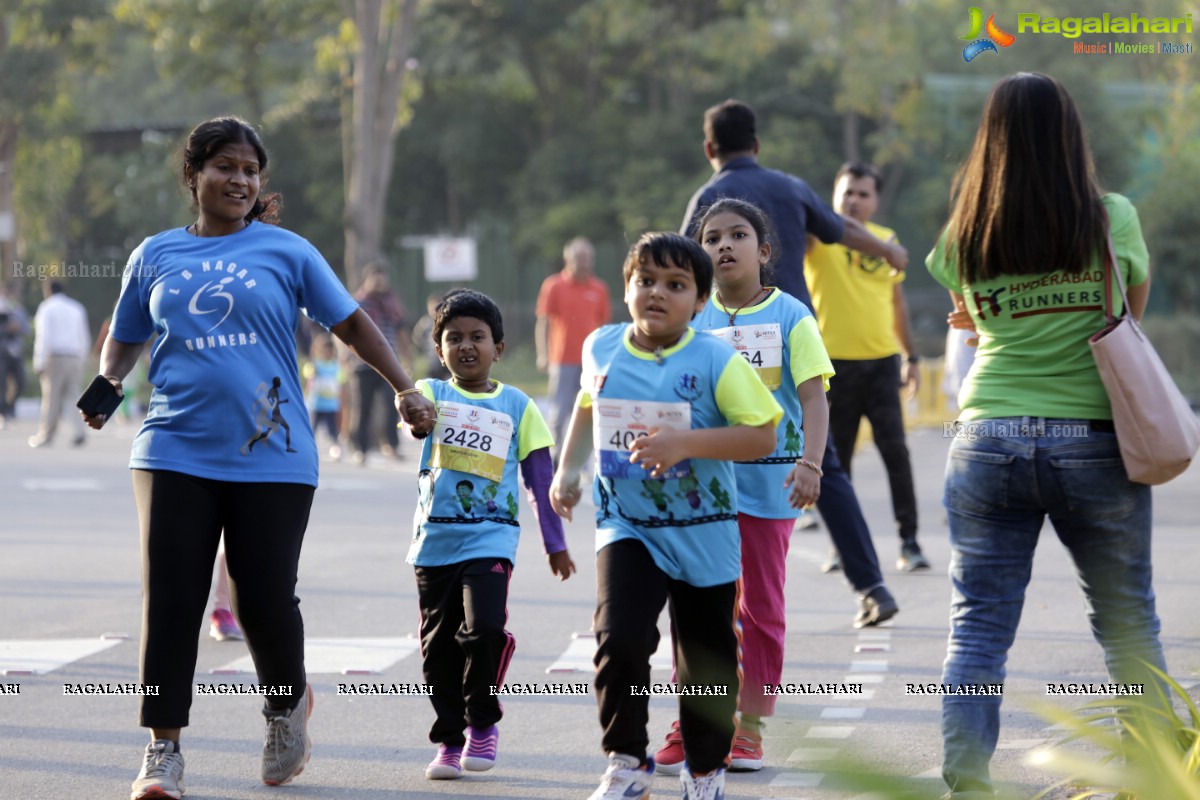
{"points": [[466, 529], [668, 410]]}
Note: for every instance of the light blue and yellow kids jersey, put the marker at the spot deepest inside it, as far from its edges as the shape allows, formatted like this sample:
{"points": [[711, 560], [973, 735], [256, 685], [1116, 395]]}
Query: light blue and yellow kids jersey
{"points": [[227, 402], [469, 486], [780, 339], [688, 518]]}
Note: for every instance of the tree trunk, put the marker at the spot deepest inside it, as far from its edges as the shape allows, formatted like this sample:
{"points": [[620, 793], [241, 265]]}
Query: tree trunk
{"points": [[384, 36], [8, 153]]}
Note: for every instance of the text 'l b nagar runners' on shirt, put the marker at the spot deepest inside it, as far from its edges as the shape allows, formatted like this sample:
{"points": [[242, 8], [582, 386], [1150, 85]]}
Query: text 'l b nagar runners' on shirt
{"points": [[226, 402]]}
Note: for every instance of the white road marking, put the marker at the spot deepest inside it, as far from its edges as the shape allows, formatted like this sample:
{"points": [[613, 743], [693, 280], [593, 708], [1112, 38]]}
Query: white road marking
{"points": [[62, 485], [861, 678], [843, 713], [579, 653], [368, 655], [39, 656], [793, 780], [829, 732], [803, 754]]}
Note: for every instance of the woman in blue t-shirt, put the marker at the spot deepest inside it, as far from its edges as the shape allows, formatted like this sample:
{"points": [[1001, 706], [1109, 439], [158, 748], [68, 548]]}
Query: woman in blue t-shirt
{"points": [[224, 296]]}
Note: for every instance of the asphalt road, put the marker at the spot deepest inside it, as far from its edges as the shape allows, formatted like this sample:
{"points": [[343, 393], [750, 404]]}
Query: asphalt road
{"points": [[69, 570]]}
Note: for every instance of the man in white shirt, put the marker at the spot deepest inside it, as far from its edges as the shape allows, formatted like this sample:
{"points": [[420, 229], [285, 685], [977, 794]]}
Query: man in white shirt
{"points": [[61, 342]]}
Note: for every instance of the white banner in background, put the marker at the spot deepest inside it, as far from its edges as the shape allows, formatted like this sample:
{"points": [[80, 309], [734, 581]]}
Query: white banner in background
{"points": [[448, 259]]}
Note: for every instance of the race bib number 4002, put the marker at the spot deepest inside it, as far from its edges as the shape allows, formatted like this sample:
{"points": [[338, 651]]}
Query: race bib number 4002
{"points": [[470, 439], [618, 423], [762, 346]]}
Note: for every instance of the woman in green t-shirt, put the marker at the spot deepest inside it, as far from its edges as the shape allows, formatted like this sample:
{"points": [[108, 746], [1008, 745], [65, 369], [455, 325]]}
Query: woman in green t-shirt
{"points": [[1023, 256]]}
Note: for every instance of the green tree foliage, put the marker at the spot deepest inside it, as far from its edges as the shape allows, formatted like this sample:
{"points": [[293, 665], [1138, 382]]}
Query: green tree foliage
{"points": [[527, 122], [41, 43], [254, 52]]}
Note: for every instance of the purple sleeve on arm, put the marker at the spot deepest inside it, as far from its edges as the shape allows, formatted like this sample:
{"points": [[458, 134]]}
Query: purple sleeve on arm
{"points": [[538, 471]]}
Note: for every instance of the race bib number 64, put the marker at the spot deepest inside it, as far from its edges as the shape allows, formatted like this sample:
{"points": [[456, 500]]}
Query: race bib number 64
{"points": [[617, 424], [761, 346]]}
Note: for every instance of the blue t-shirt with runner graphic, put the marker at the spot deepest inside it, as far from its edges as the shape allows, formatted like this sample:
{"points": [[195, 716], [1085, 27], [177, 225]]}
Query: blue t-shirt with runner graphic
{"points": [[226, 400]]}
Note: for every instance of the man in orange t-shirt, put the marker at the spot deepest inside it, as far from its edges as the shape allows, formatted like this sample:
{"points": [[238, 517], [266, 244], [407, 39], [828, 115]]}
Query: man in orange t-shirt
{"points": [[570, 305]]}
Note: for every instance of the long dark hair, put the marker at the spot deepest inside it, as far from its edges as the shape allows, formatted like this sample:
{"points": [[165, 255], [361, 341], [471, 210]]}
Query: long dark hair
{"points": [[1026, 201], [756, 218], [209, 137]]}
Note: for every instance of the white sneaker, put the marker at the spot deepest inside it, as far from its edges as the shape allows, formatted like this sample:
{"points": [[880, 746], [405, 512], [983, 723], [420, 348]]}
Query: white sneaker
{"points": [[162, 773], [704, 787], [624, 779]]}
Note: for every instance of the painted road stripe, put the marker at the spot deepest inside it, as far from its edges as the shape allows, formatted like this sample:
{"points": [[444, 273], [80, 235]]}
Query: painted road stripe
{"points": [[829, 732], [868, 666], [340, 656], [797, 780], [353, 485], [62, 485], [579, 653], [39, 656], [843, 713], [804, 754], [863, 678]]}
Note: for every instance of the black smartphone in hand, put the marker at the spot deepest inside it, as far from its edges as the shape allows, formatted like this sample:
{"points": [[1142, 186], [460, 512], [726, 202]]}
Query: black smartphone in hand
{"points": [[101, 397]]}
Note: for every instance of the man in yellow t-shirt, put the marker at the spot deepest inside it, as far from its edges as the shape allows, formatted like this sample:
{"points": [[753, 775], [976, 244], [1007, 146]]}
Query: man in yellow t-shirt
{"points": [[863, 317]]}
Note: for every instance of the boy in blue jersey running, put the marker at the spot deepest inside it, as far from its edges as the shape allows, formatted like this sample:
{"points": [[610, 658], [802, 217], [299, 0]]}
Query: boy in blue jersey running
{"points": [[463, 562], [668, 410]]}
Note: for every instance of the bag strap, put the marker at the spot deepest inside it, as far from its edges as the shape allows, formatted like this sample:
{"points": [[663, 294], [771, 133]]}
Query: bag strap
{"points": [[1111, 270]]}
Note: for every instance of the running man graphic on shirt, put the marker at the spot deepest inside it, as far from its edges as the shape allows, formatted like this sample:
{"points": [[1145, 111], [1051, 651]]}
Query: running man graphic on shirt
{"points": [[268, 417]]}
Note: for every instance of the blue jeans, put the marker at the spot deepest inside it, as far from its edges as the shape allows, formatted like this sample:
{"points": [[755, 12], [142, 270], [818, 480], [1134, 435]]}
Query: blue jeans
{"points": [[1003, 477]]}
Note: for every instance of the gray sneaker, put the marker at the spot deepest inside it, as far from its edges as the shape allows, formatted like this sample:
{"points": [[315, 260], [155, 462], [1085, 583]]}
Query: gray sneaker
{"points": [[287, 747], [162, 773]]}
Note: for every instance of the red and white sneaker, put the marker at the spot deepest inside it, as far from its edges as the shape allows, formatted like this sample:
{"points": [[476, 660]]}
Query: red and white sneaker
{"points": [[747, 752], [669, 759]]}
